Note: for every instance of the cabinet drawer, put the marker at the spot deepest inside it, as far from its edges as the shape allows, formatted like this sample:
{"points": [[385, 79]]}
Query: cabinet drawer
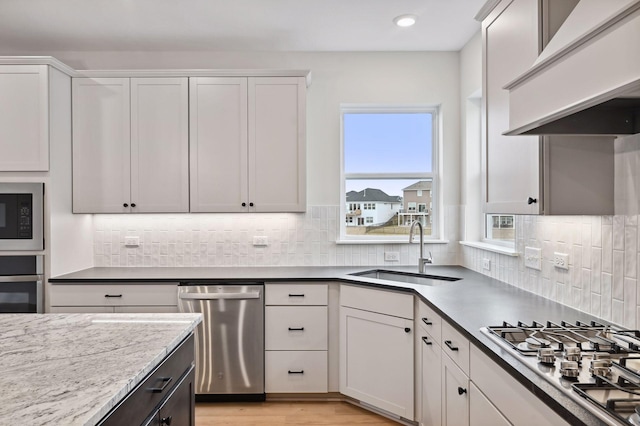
{"points": [[296, 372], [296, 294], [456, 346], [379, 301], [302, 328], [113, 294], [156, 387], [430, 321]]}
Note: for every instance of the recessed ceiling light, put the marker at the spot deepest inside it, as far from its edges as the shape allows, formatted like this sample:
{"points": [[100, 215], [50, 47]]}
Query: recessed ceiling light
{"points": [[405, 20]]}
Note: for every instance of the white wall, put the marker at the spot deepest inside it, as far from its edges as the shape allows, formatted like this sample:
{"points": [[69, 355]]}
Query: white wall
{"points": [[378, 77]]}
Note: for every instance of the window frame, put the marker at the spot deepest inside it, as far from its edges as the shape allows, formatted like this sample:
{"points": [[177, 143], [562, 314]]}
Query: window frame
{"points": [[496, 242], [434, 175]]}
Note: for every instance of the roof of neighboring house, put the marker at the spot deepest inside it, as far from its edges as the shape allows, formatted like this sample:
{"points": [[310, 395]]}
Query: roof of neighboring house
{"points": [[372, 195], [420, 185]]}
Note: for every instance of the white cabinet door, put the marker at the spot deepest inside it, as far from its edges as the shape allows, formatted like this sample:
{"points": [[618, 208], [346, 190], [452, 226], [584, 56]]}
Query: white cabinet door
{"points": [[481, 410], [101, 145], [277, 158], [455, 394], [512, 163], [159, 145], [376, 360], [218, 144], [24, 118], [431, 358]]}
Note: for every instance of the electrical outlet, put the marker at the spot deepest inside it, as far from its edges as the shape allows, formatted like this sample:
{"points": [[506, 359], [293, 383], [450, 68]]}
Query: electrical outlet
{"points": [[486, 264], [533, 258], [392, 256], [132, 241], [260, 240], [561, 260]]}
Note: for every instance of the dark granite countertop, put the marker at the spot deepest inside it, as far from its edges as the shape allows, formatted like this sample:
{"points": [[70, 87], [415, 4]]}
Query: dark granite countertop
{"points": [[472, 302]]}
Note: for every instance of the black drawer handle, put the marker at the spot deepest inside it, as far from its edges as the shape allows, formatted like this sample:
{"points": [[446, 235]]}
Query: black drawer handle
{"points": [[165, 382], [426, 341], [407, 330], [461, 391], [296, 328], [112, 295], [296, 295], [296, 372], [426, 321], [450, 345], [166, 421]]}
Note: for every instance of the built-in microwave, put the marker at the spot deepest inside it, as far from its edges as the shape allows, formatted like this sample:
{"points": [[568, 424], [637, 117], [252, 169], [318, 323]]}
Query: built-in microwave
{"points": [[21, 216]]}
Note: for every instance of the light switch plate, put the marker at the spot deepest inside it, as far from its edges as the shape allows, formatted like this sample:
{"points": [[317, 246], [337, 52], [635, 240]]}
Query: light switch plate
{"points": [[533, 258], [132, 241], [260, 240]]}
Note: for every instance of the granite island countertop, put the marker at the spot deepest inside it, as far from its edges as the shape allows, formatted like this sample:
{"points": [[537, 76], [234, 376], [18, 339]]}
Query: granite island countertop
{"points": [[470, 303], [72, 369]]}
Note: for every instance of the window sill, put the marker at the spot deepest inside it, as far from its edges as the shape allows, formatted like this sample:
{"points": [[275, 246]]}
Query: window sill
{"points": [[508, 251], [340, 242]]}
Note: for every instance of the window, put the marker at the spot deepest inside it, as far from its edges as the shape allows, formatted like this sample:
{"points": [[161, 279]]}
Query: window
{"points": [[389, 165], [500, 229]]}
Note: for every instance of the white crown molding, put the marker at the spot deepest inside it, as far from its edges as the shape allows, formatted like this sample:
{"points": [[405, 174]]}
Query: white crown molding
{"points": [[486, 9], [38, 60]]}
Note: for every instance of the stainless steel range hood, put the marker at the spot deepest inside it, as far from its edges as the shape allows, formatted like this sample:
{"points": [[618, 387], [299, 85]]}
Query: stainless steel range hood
{"points": [[587, 79]]}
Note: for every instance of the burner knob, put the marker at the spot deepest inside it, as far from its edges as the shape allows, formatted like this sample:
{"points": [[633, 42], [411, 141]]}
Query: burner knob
{"points": [[602, 356], [569, 369], [546, 355], [572, 353], [600, 367]]}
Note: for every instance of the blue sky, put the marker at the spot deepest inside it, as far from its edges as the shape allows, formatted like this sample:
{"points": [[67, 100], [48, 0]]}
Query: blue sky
{"points": [[386, 143]]}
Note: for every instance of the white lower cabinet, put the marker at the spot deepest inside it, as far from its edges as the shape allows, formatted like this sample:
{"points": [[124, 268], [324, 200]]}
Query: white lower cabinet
{"points": [[376, 351], [431, 385], [113, 297], [508, 397], [296, 338], [455, 394], [482, 412]]}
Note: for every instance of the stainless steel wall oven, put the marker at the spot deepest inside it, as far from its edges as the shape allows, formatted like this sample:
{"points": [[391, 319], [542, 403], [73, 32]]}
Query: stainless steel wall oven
{"points": [[21, 216], [21, 284]]}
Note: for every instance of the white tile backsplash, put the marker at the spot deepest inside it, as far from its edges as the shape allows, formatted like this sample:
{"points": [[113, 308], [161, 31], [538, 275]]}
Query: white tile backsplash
{"points": [[300, 239]]}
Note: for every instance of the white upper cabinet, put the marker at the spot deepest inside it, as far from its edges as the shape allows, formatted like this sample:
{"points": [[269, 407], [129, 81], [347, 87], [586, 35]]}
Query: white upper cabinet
{"points": [[24, 118], [218, 143], [528, 174], [247, 144], [130, 145]]}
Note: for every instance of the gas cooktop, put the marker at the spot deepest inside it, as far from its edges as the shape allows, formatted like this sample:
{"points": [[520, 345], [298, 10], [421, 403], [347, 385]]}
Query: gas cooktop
{"points": [[597, 365]]}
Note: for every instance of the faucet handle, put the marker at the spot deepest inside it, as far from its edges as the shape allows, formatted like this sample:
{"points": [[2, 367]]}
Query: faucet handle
{"points": [[429, 259]]}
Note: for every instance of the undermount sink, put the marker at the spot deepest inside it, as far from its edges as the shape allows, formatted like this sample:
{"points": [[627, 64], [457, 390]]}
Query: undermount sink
{"points": [[405, 277]]}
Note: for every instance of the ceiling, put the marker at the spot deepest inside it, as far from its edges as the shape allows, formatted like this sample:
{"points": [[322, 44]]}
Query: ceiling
{"points": [[30, 26]]}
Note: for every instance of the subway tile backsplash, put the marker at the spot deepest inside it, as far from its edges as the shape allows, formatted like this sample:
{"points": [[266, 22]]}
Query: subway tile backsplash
{"points": [[294, 239]]}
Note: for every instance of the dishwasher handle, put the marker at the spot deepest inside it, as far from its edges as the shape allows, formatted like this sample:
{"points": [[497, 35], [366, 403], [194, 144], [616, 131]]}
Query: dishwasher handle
{"points": [[217, 296]]}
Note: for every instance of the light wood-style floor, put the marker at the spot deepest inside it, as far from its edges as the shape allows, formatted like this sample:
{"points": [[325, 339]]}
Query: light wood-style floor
{"points": [[285, 413]]}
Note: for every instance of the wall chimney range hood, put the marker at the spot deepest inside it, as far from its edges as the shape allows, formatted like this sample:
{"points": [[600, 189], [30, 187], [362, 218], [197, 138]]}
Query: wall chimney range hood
{"points": [[587, 79]]}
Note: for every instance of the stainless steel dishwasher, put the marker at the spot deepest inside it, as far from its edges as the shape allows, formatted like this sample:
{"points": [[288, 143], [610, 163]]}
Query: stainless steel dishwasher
{"points": [[230, 340]]}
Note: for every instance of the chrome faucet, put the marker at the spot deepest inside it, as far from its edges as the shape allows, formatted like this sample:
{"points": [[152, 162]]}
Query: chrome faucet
{"points": [[421, 260]]}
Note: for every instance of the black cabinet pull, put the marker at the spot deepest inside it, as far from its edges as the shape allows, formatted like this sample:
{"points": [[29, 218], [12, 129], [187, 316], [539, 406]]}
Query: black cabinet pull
{"points": [[244, 204], [450, 345], [426, 341], [133, 204], [112, 295], [461, 390], [166, 421], [296, 295], [296, 372], [426, 321], [407, 329], [250, 204], [125, 205], [165, 382], [296, 328], [532, 200]]}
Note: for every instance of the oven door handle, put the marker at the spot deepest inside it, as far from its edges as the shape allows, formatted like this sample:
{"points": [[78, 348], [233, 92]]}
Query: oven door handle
{"points": [[19, 278]]}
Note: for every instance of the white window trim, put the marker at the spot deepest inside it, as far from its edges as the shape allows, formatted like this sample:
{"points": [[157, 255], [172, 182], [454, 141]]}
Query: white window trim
{"points": [[436, 195]]}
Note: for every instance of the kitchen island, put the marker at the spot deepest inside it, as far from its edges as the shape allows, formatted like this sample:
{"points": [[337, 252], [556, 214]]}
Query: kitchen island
{"points": [[75, 369]]}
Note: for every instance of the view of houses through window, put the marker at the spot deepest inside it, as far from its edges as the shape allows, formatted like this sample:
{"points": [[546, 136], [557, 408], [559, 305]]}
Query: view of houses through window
{"points": [[500, 228], [389, 171]]}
